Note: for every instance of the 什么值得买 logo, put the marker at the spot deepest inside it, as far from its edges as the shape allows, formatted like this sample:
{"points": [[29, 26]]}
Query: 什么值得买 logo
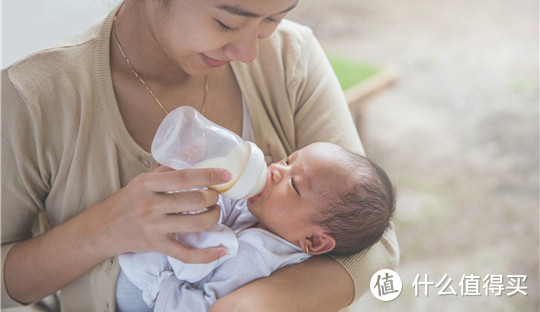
{"points": [[386, 285]]}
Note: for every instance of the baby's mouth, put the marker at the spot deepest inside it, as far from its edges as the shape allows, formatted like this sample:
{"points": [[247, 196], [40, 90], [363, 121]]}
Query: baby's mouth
{"points": [[268, 181]]}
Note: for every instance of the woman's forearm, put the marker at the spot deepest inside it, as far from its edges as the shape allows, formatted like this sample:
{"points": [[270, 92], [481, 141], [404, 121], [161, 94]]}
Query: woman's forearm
{"points": [[44, 264], [319, 284], [139, 217]]}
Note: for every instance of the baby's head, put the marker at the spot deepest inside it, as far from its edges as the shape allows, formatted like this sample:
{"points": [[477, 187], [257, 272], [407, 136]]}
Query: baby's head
{"points": [[357, 210], [324, 199]]}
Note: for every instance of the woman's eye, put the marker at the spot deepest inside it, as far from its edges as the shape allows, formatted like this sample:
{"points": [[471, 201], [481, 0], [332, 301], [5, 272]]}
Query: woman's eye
{"points": [[226, 28], [286, 162]]}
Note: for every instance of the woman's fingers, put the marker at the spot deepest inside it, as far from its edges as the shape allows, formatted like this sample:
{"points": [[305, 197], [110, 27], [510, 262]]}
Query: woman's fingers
{"points": [[162, 168], [178, 223], [163, 180], [185, 201], [148, 212], [192, 255]]}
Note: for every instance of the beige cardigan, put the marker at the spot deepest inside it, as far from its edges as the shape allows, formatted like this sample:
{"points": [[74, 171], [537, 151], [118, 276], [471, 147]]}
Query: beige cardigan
{"points": [[65, 147]]}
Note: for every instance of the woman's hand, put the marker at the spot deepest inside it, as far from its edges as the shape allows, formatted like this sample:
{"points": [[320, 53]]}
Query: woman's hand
{"points": [[146, 213], [140, 217]]}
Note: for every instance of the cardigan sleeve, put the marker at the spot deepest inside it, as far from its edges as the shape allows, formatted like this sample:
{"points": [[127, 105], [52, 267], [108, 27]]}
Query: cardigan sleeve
{"points": [[320, 110], [322, 114], [23, 184]]}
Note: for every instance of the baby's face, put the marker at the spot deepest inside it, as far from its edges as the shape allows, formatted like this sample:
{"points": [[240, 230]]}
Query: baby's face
{"points": [[291, 197]]}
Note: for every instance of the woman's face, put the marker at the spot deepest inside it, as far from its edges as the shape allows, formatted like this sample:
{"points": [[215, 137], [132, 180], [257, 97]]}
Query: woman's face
{"points": [[200, 35]]}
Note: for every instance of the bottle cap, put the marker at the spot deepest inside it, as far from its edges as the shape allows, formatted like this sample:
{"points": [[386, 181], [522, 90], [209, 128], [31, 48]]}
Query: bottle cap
{"points": [[253, 179]]}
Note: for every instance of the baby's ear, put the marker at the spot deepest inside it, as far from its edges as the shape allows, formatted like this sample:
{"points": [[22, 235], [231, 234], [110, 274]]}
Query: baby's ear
{"points": [[320, 243]]}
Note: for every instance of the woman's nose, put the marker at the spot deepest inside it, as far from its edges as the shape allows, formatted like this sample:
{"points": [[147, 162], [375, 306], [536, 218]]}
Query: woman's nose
{"points": [[245, 48]]}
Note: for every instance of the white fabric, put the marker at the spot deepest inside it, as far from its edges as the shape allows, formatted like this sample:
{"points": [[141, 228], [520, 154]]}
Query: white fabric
{"points": [[253, 253], [217, 235], [259, 254], [131, 298], [149, 270]]}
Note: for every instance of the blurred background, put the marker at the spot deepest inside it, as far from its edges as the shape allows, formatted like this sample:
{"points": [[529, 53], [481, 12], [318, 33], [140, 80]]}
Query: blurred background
{"points": [[30, 25], [455, 122], [458, 131]]}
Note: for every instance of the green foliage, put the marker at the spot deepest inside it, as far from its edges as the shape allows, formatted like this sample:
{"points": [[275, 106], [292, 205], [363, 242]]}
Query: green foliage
{"points": [[350, 72]]}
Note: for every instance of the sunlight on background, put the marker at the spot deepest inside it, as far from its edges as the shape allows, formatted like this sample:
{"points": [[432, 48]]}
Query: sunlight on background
{"points": [[31, 25]]}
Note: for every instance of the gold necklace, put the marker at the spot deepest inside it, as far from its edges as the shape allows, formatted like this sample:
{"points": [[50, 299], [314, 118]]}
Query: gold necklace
{"points": [[144, 82]]}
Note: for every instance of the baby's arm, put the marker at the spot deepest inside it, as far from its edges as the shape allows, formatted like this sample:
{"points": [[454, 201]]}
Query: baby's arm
{"points": [[176, 295], [252, 262], [147, 271]]}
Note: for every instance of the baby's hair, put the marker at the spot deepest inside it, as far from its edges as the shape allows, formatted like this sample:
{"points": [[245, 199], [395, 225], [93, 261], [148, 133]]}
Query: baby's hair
{"points": [[358, 216]]}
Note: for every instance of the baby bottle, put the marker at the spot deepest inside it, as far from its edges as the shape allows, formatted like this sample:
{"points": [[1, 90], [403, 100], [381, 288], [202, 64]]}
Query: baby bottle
{"points": [[186, 139]]}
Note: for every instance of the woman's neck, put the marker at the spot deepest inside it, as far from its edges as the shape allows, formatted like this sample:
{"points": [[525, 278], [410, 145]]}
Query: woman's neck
{"points": [[136, 36]]}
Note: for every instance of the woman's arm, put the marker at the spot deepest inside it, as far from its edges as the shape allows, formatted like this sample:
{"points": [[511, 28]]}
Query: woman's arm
{"points": [[37, 157], [139, 217], [319, 284]]}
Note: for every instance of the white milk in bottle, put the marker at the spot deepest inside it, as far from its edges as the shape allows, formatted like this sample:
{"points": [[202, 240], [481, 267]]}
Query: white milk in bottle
{"points": [[186, 139]]}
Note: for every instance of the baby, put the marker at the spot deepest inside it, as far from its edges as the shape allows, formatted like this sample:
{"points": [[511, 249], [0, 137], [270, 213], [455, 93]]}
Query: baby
{"points": [[322, 199]]}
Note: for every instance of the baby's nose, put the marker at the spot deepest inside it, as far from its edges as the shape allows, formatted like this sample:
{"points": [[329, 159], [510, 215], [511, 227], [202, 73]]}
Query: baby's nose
{"points": [[276, 172]]}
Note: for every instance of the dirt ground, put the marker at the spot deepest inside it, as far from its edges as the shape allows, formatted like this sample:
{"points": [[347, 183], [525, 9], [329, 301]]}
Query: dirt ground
{"points": [[459, 134]]}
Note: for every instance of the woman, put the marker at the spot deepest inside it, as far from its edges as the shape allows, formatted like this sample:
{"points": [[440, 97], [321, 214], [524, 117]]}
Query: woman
{"points": [[78, 121]]}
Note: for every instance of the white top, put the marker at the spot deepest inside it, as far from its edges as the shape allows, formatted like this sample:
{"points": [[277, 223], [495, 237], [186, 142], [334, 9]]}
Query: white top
{"points": [[259, 254], [170, 284]]}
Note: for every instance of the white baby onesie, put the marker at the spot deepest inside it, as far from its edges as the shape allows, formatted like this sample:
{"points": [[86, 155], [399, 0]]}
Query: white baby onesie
{"points": [[253, 253], [259, 254]]}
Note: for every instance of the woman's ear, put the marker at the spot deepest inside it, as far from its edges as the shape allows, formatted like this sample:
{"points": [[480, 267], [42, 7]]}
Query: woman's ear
{"points": [[319, 243]]}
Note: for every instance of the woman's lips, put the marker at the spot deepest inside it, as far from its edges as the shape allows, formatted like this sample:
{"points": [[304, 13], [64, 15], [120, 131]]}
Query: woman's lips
{"points": [[212, 62]]}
